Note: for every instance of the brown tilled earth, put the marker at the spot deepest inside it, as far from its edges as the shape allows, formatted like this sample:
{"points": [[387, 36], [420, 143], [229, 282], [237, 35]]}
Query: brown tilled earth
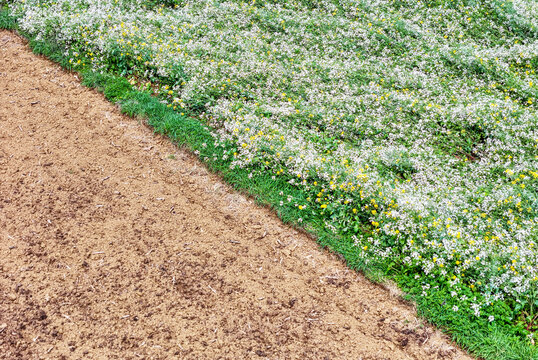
{"points": [[115, 244]]}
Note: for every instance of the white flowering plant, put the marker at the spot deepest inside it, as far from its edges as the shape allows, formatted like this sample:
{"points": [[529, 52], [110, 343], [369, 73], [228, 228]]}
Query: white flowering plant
{"points": [[409, 127]]}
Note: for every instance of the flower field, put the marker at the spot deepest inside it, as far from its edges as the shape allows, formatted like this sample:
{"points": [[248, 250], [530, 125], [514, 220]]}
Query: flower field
{"points": [[409, 127]]}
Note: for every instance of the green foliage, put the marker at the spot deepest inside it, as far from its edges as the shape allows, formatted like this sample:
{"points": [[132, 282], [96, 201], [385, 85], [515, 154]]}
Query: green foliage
{"points": [[502, 339], [6, 20]]}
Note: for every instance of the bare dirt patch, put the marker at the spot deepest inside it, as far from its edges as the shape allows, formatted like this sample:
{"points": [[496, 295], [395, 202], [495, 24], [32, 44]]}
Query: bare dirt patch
{"points": [[112, 248]]}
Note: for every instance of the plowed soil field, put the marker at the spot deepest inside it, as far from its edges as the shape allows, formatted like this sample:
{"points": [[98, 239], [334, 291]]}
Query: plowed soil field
{"points": [[115, 244]]}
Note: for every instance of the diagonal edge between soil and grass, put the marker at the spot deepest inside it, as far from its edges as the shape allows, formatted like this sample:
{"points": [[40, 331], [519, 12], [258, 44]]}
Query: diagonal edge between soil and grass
{"points": [[489, 341]]}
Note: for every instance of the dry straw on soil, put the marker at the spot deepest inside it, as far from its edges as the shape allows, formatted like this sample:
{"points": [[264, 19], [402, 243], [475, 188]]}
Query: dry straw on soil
{"points": [[112, 248]]}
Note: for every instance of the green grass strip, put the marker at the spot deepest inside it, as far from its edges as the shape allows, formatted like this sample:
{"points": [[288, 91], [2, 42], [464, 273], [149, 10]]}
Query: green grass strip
{"points": [[484, 340]]}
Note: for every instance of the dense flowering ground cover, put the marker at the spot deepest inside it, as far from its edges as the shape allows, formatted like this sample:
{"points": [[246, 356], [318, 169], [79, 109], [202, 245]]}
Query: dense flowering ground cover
{"points": [[410, 126]]}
